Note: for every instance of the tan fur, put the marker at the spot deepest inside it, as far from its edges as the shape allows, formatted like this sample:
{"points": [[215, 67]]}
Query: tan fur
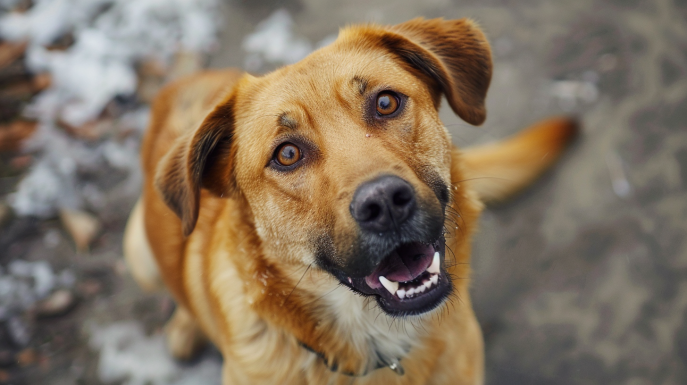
{"points": [[137, 253], [499, 170], [235, 241]]}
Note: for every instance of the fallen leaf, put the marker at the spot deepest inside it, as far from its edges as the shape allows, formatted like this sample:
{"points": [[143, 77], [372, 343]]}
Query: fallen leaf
{"points": [[26, 357], [57, 303], [91, 130], [10, 52], [5, 213], [41, 82], [13, 134], [21, 90], [21, 162], [82, 226]]}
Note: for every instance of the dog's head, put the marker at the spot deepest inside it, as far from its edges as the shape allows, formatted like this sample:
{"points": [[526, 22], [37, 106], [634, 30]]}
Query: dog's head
{"points": [[342, 159]]}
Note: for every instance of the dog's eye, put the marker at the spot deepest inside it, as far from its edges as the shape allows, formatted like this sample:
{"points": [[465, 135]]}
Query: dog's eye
{"points": [[387, 103], [288, 154]]}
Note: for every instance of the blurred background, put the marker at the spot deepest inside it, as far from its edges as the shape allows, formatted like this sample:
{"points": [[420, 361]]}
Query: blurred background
{"points": [[581, 280]]}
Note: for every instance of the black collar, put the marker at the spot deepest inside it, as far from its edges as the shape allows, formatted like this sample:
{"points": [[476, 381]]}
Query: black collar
{"points": [[394, 365]]}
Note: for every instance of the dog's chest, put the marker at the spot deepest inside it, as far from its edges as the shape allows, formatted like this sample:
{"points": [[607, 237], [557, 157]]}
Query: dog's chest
{"points": [[364, 325]]}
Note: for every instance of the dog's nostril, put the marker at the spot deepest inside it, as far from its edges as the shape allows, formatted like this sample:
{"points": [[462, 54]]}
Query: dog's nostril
{"points": [[402, 198], [373, 211]]}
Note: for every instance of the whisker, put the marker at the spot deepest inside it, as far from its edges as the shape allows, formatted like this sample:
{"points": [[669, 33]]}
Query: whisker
{"points": [[455, 261], [478, 177], [294, 288], [324, 295]]}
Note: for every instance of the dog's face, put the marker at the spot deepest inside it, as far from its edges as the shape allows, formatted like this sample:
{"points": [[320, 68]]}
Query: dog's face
{"points": [[343, 160]]}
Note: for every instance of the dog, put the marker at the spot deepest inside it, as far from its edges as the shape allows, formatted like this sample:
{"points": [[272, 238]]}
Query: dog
{"points": [[315, 223]]}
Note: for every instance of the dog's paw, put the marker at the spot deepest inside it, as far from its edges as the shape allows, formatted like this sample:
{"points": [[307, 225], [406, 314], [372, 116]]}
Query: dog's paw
{"points": [[184, 337]]}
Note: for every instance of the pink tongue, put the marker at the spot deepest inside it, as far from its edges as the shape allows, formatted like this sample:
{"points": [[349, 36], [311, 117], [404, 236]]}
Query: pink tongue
{"points": [[404, 264]]}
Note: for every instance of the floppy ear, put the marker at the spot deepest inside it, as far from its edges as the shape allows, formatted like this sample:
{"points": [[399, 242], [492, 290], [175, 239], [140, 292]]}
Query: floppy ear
{"points": [[201, 159], [453, 54]]}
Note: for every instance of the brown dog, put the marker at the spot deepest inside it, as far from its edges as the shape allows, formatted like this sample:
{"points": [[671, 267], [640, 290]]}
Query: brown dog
{"points": [[315, 223]]}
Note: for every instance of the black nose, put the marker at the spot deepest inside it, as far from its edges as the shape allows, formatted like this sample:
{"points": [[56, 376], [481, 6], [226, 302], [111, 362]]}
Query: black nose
{"points": [[383, 204]]}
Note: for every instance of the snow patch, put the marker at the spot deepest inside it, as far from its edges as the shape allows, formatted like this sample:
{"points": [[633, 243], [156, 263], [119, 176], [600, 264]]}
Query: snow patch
{"points": [[24, 283], [110, 38], [571, 93], [275, 41], [128, 354]]}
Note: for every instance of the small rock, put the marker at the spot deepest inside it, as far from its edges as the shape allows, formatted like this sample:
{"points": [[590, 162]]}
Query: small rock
{"points": [[18, 331], [58, 303], [92, 130], [82, 226]]}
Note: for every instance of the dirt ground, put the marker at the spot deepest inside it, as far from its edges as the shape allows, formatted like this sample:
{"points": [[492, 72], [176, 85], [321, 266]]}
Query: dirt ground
{"points": [[581, 280]]}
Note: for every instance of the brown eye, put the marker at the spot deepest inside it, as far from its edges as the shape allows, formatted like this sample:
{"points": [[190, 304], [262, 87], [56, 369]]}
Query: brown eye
{"points": [[387, 103], [288, 154]]}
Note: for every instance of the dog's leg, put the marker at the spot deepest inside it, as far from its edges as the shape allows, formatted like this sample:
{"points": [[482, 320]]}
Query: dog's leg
{"points": [[137, 253], [184, 336], [498, 170]]}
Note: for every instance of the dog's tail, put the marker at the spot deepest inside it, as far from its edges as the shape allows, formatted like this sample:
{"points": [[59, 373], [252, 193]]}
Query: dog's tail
{"points": [[499, 170]]}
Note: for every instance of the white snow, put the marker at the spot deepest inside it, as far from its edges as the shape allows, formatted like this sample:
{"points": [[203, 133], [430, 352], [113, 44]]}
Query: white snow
{"points": [[571, 92], [127, 354], [26, 282], [111, 37], [275, 41]]}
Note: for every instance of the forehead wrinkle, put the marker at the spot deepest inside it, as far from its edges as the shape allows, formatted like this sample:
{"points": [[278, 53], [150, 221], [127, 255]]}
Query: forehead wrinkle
{"points": [[287, 121], [361, 82], [303, 109]]}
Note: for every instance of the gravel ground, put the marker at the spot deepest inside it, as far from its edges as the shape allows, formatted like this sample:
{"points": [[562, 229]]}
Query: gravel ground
{"points": [[581, 280]]}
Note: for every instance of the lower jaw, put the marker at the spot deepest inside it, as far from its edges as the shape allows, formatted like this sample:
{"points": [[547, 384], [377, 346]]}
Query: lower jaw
{"points": [[420, 304], [391, 304]]}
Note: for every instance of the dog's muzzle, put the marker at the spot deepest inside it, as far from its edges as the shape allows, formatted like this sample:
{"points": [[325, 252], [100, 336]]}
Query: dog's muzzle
{"points": [[401, 253]]}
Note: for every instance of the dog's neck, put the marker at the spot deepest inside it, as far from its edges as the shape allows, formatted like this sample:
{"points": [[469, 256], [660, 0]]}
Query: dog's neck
{"points": [[348, 332], [384, 340]]}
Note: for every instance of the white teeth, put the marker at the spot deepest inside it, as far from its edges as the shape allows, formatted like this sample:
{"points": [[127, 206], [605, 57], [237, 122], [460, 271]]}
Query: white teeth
{"points": [[389, 285], [407, 292], [434, 267]]}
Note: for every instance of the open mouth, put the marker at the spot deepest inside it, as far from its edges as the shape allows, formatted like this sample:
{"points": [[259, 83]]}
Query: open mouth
{"points": [[410, 280]]}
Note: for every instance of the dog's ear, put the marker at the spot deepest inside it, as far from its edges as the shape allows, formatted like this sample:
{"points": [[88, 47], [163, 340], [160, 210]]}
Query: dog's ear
{"points": [[453, 54], [201, 159]]}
